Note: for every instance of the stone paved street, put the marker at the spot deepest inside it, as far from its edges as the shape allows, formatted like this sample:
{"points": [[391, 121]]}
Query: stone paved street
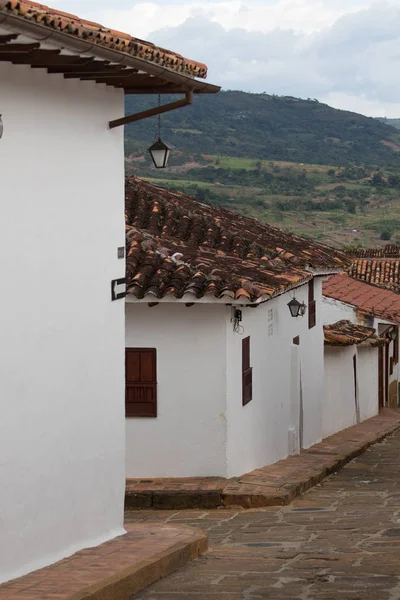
{"points": [[340, 541]]}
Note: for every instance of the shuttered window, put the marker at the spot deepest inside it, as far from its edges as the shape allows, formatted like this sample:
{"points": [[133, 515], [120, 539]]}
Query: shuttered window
{"points": [[396, 347], [140, 382], [312, 315], [247, 372]]}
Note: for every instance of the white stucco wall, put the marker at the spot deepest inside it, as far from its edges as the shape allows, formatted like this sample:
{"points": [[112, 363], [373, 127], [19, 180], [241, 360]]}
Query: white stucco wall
{"points": [[202, 428], [188, 437], [339, 411], [334, 310], [62, 339], [264, 430], [368, 381]]}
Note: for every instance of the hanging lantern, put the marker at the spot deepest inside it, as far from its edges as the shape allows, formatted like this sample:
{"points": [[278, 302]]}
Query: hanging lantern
{"points": [[296, 308], [1, 126], [159, 151]]}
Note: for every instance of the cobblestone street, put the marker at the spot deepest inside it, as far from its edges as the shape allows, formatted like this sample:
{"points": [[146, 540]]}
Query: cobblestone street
{"points": [[340, 541]]}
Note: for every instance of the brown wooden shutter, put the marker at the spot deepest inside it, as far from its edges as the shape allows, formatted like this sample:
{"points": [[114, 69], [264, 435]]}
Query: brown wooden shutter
{"points": [[140, 382], [396, 347], [312, 313], [247, 372]]}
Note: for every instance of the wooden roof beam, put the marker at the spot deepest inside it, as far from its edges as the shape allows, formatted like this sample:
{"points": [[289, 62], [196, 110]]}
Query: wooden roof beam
{"points": [[119, 74], [158, 110], [71, 67], [32, 57], [8, 37], [18, 48]]}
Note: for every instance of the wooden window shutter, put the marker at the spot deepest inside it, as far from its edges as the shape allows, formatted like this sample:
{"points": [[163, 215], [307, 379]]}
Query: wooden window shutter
{"points": [[140, 382], [396, 347], [247, 372], [312, 314]]}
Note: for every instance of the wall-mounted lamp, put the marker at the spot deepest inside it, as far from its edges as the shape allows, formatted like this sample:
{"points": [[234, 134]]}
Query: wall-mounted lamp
{"points": [[392, 333], [296, 308], [159, 151], [1, 126]]}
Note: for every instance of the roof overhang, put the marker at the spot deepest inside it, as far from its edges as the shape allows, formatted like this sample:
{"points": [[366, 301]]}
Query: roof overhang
{"points": [[29, 43]]}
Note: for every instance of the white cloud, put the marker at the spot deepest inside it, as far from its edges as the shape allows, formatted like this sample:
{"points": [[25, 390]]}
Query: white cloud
{"points": [[344, 52], [304, 16]]}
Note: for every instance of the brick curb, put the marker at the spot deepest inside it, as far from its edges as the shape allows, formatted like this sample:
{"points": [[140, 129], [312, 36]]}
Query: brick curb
{"points": [[116, 569], [129, 581], [260, 488]]}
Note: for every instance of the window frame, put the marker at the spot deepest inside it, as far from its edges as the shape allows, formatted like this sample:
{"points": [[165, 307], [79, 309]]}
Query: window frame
{"points": [[312, 306], [129, 412], [247, 372]]}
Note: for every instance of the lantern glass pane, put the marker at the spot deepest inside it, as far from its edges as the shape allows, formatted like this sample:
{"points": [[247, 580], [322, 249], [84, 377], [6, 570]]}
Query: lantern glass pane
{"points": [[158, 157], [294, 307]]}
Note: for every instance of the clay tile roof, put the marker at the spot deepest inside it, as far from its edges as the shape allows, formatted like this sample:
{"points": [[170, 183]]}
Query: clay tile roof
{"points": [[177, 246], [345, 333], [384, 272], [101, 36], [369, 299], [388, 251]]}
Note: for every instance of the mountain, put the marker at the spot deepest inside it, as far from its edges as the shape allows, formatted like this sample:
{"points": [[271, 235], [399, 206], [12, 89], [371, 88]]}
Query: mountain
{"points": [[392, 122], [265, 127]]}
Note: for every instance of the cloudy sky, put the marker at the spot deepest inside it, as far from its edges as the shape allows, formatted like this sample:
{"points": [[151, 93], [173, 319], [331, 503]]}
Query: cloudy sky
{"points": [[343, 52]]}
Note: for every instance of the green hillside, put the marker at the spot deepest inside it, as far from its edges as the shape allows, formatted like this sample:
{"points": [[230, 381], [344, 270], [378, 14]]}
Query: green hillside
{"points": [[324, 173], [268, 127], [392, 122]]}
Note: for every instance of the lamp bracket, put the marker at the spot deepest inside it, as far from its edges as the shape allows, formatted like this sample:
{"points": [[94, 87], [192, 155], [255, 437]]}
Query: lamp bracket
{"points": [[151, 112], [121, 294]]}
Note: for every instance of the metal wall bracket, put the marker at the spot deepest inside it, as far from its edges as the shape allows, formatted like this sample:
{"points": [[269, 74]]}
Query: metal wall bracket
{"points": [[118, 295]]}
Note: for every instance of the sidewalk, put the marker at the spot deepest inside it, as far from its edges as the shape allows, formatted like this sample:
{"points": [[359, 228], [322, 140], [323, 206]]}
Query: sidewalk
{"points": [[273, 485], [114, 570]]}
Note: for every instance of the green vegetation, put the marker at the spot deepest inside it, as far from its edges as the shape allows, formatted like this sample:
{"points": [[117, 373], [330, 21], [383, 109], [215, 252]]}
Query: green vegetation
{"points": [[264, 127], [272, 158]]}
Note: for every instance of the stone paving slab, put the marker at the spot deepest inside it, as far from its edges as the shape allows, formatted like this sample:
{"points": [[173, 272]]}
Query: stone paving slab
{"points": [[274, 485], [338, 541], [114, 570]]}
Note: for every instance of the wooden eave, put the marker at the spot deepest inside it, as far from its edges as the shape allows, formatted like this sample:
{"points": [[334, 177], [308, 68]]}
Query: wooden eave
{"points": [[75, 65]]}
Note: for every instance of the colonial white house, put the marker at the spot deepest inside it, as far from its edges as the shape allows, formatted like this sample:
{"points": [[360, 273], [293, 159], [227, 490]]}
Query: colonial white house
{"points": [[366, 375], [62, 242], [220, 377], [351, 375]]}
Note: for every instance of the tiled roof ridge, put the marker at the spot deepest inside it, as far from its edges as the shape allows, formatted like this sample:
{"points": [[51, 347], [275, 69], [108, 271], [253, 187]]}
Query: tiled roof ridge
{"points": [[232, 238], [388, 251], [156, 266], [346, 333], [102, 36], [177, 245], [382, 272]]}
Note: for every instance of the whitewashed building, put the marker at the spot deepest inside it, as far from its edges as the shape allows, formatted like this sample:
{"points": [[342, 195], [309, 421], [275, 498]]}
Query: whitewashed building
{"points": [[351, 375], [365, 304], [220, 378], [62, 342]]}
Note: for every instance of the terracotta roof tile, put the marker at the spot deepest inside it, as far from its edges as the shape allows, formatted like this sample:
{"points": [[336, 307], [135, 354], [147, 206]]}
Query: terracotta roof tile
{"points": [[384, 272], [388, 251], [177, 245], [345, 333], [102, 36], [370, 299]]}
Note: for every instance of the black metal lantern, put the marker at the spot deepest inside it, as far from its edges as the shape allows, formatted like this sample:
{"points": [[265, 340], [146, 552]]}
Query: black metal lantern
{"points": [[392, 333], [296, 308], [159, 151], [1, 126]]}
